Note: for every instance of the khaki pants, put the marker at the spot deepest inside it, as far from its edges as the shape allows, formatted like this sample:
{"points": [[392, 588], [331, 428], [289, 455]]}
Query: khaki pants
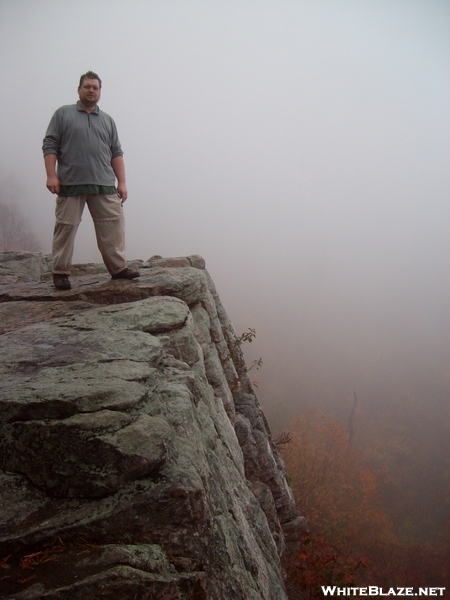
{"points": [[107, 213]]}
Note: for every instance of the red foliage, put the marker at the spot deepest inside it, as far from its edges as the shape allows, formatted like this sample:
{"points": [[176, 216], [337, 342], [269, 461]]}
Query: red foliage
{"points": [[341, 497], [319, 563]]}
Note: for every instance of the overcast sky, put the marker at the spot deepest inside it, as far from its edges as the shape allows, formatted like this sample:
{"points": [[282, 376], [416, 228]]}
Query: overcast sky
{"points": [[300, 146]]}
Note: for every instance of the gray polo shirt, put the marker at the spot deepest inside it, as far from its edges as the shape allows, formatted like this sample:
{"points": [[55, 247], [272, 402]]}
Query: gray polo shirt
{"points": [[84, 144]]}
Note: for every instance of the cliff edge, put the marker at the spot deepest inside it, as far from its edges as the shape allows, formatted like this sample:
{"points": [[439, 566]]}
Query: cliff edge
{"points": [[136, 462]]}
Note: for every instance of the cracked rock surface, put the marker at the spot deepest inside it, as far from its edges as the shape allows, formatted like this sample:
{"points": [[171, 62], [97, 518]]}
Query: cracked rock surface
{"points": [[135, 460]]}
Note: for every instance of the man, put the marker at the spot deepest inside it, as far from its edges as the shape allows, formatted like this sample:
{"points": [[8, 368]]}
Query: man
{"points": [[83, 143]]}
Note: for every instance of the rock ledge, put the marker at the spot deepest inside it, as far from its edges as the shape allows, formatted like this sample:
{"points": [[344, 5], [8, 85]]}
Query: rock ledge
{"points": [[136, 461]]}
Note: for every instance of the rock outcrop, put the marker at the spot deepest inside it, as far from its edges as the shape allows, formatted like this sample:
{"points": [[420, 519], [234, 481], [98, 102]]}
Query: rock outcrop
{"points": [[136, 461]]}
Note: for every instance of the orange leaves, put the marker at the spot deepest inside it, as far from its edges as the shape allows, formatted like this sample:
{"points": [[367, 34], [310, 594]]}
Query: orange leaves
{"points": [[21, 568], [38, 558], [342, 499], [319, 563], [333, 487]]}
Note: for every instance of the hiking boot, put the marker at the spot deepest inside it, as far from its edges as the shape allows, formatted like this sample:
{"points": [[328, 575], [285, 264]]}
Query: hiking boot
{"points": [[126, 274], [61, 281]]}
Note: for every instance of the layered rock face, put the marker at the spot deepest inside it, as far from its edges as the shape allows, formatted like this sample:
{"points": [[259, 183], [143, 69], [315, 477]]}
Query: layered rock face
{"points": [[136, 462]]}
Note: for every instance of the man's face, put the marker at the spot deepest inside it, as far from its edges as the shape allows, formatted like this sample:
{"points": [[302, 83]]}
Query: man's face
{"points": [[89, 92]]}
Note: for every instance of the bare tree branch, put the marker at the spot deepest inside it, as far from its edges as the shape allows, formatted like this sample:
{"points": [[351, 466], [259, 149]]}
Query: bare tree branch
{"points": [[15, 231]]}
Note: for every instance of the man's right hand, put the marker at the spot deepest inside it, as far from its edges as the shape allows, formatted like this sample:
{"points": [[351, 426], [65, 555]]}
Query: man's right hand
{"points": [[53, 184]]}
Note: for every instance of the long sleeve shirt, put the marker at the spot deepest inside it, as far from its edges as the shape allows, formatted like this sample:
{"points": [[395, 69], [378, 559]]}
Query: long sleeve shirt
{"points": [[84, 144]]}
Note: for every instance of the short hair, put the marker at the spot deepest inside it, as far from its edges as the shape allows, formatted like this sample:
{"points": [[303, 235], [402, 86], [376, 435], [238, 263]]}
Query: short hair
{"points": [[90, 75]]}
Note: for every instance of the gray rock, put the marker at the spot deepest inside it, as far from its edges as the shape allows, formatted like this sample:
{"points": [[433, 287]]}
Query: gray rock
{"points": [[132, 444], [86, 455], [17, 267]]}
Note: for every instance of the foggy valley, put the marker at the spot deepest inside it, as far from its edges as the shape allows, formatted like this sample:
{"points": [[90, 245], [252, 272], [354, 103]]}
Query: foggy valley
{"points": [[303, 149]]}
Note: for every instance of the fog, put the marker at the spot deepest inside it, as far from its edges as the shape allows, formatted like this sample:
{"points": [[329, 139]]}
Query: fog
{"points": [[301, 147]]}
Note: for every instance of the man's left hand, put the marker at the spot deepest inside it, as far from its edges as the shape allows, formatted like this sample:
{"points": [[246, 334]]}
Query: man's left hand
{"points": [[122, 192]]}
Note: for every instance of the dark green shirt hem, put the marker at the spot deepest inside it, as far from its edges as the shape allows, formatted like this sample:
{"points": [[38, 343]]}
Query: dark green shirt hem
{"points": [[86, 190]]}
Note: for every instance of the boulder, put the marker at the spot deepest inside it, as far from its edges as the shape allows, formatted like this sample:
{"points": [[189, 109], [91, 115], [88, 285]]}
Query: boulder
{"points": [[135, 460]]}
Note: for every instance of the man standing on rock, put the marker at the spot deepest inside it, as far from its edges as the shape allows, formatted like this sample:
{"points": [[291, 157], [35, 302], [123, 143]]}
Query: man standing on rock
{"points": [[84, 142]]}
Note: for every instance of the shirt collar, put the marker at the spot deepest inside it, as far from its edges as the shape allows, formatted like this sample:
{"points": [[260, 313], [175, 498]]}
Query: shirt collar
{"points": [[82, 109]]}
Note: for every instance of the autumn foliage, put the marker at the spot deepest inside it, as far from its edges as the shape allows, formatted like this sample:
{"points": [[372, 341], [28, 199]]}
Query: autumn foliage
{"points": [[352, 538], [319, 563], [337, 493]]}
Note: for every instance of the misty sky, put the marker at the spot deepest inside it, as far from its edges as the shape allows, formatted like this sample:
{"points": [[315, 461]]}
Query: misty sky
{"points": [[302, 147]]}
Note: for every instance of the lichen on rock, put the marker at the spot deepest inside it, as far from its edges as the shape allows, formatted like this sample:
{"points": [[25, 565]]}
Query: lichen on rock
{"points": [[135, 457]]}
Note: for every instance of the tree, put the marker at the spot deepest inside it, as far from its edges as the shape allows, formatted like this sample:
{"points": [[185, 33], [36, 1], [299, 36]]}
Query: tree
{"points": [[318, 563], [15, 231], [345, 502], [336, 491]]}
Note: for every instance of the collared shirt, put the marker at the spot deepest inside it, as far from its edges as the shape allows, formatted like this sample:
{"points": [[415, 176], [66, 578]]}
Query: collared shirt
{"points": [[84, 144]]}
